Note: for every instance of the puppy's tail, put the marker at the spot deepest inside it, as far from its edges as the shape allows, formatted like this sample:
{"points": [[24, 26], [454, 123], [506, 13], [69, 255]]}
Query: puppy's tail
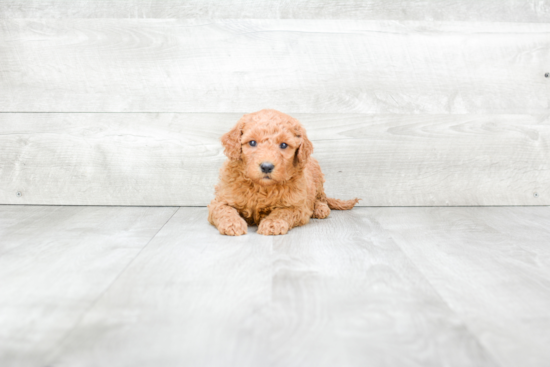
{"points": [[338, 204]]}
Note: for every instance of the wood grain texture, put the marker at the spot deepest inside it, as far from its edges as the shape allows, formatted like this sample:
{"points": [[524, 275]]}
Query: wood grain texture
{"points": [[296, 66], [173, 159], [194, 298], [15, 220], [490, 264], [481, 10], [371, 286], [54, 263], [326, 293], [345, 295]]}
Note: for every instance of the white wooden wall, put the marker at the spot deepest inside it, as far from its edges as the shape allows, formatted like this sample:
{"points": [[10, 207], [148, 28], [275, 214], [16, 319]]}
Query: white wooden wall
{"points": [[408, 102]]}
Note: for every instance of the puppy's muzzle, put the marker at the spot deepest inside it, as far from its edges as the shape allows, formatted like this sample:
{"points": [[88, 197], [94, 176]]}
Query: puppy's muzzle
{"points": [[267, 167]]}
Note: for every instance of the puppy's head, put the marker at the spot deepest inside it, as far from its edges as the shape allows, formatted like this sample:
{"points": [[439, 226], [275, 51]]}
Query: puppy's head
{"points": [[272, 146]]}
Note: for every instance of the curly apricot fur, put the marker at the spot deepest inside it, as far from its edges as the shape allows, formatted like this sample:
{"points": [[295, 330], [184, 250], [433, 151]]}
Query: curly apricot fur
{"points": [[276, 201]]}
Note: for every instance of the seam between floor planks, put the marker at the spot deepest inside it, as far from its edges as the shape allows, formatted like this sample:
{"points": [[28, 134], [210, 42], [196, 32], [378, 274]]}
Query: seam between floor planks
{"points": [[509, 345], [443, 300], [66, 259], [79, 320]]}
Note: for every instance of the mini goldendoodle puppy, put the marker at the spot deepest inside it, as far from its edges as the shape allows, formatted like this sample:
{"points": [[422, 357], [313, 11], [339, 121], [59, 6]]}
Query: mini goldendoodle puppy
{"points": [[269, 179]]}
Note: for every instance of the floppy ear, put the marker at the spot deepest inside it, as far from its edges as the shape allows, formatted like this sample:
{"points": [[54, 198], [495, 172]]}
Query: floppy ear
{"points": [[304, 150], [232, 141]]}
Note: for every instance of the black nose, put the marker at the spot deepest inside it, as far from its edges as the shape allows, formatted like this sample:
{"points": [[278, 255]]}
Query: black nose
{"points": [[267, 167]]}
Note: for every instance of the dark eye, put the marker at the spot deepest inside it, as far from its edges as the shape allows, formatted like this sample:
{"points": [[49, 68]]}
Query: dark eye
{"points": [[283, 145], [252, 143]]}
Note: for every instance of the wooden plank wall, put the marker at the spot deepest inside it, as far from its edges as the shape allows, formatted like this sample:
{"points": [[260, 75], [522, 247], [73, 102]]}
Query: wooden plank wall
{"points": [[408, 103]]}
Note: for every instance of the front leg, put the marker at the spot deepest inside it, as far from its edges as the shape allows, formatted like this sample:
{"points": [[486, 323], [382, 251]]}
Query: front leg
{"points": [[280, 221], [226, 219]]}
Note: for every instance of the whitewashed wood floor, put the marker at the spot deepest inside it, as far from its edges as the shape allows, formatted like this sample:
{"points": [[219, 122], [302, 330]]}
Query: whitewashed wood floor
{"points": [[158, 286]]}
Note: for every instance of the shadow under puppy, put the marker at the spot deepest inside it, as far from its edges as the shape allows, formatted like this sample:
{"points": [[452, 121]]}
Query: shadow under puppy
{"points": [[270, 179]]}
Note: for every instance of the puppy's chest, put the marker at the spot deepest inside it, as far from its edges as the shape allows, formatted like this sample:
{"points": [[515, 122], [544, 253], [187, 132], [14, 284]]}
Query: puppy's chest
{"points": [[256, 205], [255, 216], [256, 210]]}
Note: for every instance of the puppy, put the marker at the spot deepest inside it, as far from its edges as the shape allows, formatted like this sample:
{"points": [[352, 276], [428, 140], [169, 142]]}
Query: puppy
{"points": [[270, 178]]}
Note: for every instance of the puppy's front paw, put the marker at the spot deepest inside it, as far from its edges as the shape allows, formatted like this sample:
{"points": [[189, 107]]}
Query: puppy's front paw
{"points": [[232, 226], [270, 227]]}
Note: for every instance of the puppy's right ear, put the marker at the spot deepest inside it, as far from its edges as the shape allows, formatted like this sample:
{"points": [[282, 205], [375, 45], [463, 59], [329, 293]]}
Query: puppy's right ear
{"points": [[231, 141]]}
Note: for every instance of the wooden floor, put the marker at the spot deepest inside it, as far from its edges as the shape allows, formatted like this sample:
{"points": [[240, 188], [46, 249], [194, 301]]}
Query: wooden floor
{"points": [[158, 286]]}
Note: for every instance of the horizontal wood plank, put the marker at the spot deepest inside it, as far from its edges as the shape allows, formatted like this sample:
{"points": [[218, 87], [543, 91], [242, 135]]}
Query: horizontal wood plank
{"points": [[296, 66], [174, 158], [480, 10]]}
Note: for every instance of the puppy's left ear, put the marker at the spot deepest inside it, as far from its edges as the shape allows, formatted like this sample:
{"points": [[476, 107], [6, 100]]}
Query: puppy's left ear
{"points": [[231, 141], [304, 150]]}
